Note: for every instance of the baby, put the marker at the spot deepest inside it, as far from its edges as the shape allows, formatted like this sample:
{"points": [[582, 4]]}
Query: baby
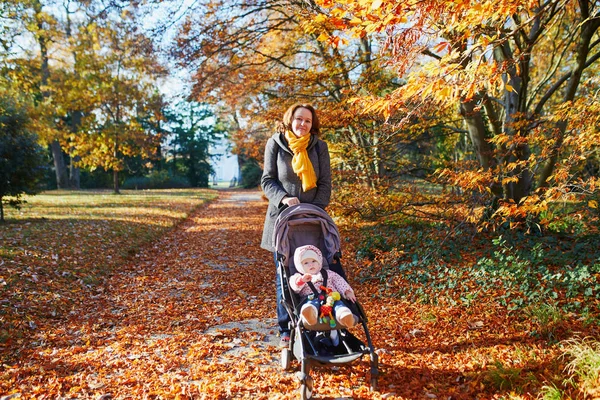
{"points": [[315, 285]]}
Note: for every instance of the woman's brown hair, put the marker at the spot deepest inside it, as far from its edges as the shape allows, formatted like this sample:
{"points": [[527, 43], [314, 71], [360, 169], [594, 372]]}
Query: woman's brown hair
{"points": [[286, 123]]}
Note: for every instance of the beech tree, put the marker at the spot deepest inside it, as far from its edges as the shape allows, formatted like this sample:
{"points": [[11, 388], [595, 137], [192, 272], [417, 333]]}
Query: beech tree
{"points": [[522, 74], [121, 74]]}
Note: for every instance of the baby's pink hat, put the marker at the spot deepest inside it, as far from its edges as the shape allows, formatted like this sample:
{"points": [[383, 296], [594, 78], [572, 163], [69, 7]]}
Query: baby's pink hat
{"points": [[304, 252]]}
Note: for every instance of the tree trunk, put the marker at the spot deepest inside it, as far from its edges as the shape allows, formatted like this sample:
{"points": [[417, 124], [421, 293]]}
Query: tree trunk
{"points": [[42, 39], [115, 168], [116, 181], [1, 210], [62, 180], [365, 166], [477, 133], [74, 175], [514, 110]]}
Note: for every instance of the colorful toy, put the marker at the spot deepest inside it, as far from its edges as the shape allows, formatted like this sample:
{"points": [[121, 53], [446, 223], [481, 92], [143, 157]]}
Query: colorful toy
{"points": [[326, 308], [326, 316]]}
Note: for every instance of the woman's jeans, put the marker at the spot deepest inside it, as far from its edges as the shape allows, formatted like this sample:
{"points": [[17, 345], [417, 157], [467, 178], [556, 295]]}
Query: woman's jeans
{"points": [[283, 318]]}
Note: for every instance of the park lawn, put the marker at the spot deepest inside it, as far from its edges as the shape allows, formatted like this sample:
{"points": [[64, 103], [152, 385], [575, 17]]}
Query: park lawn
{"points": [[58, 247]]}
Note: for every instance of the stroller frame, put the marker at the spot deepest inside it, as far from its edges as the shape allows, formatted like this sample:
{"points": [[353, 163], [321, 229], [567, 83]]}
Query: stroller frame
{"points": [[297, 226]]}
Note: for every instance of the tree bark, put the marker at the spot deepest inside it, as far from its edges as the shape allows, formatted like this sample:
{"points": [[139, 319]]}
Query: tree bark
{"points": [[115, 169], [74, 175], [477, 133], [62, 180], [478, 137], [116, 181]]}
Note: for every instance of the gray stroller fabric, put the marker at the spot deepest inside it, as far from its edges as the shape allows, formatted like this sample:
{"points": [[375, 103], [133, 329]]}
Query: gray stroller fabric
{"points": [[304, 224]]}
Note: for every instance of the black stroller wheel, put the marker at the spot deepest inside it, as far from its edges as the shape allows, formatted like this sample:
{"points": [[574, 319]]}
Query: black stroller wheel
{"points": [[286, 359], [374, 371], [374, 385], [306, 389]]}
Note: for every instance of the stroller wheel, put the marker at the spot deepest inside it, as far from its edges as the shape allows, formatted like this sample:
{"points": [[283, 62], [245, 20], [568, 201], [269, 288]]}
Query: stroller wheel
{"points": [[286, 359], [374, 385], [306, 388], [374, 371]]}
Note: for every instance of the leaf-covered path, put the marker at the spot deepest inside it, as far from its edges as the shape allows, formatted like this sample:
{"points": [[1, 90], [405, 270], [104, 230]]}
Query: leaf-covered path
{"points": [[171, 312], [192, 316]]}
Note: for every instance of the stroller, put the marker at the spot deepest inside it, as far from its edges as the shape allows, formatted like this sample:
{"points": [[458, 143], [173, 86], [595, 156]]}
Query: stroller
{"points": [[317, 345]]}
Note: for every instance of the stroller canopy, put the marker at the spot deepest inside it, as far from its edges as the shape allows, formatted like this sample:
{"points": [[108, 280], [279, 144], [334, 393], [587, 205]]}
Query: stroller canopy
{"points": [[304, 224]]}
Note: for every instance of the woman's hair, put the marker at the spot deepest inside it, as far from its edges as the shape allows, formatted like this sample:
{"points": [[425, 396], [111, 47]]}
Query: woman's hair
{"points": [[286, 123]]}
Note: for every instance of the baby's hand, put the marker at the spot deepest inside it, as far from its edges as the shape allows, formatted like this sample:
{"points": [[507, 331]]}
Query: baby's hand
{"points": [[306, 278], [350, 295]]}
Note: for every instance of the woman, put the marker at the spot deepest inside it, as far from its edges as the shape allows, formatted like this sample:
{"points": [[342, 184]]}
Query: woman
{"points": [[297, 170]]}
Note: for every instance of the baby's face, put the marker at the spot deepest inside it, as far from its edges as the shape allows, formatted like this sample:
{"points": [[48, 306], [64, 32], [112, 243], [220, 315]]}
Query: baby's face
{"points": [[311, 266]]}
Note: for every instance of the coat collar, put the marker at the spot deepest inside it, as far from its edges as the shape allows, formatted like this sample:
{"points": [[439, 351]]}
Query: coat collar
{"points": [[282, 142]]}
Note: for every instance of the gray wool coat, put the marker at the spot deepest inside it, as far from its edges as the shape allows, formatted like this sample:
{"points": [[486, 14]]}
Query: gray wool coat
{"points": [[279, 180]]}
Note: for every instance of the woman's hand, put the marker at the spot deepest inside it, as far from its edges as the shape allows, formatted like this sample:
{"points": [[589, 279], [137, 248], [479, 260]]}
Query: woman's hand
{"points": [[349, 294], [290, 201]]}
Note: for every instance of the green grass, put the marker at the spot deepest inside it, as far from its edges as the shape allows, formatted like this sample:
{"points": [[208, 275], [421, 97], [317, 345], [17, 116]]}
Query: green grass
{"points": [[550, 392], [547, 318], [506, 378], [584, 364], [99, 204], [60, 245]]}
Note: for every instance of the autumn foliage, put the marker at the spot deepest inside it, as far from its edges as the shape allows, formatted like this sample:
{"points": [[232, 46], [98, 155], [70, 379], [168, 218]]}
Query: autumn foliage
{"points": [[519, 74], [495, 100]]}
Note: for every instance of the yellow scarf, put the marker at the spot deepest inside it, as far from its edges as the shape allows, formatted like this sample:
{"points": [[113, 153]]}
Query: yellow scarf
{"points": [[300, 162]]}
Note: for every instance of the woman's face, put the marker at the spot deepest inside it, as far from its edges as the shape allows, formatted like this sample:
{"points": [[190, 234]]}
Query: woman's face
{"points": [[301, 122]]}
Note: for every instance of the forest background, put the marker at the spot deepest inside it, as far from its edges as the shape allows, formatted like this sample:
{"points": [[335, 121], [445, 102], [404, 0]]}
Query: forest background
{"points": [[452, 125]]}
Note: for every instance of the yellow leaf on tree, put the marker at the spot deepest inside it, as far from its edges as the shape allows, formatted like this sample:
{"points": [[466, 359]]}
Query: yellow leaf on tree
{"points": [[323, 37], [592, 204], [446, 92], [376, 4], [320, 18], [355, 21]]}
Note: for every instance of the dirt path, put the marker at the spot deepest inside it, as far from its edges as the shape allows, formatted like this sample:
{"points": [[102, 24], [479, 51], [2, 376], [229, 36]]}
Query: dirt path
{"points": [[193, 316]]}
